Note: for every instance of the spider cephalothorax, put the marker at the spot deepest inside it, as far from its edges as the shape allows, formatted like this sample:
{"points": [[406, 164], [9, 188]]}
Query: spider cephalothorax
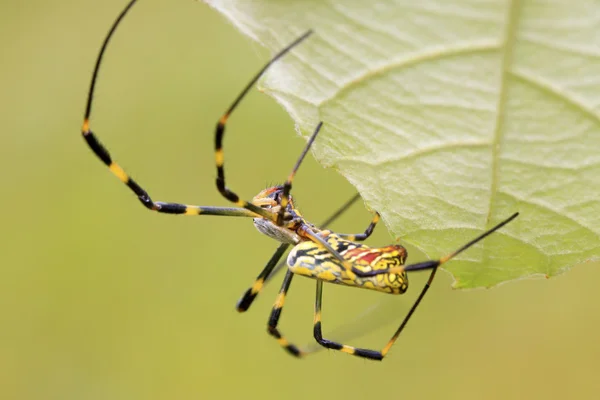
{"points": [[270, 199]]}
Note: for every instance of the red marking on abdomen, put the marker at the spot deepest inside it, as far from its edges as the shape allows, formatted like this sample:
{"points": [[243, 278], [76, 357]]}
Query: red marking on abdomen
{"points": [[366, 255]]}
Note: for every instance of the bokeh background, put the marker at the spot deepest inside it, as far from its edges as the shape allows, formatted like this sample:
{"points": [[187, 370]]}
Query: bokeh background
{"points": [[100, 299]]}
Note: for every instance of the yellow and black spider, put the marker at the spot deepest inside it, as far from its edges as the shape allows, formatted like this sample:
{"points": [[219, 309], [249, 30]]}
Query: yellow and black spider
{"points": [[317, 253]]}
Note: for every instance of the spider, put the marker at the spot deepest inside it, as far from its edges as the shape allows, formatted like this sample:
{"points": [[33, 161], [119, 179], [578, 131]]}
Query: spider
{"points": [[317, 253]]}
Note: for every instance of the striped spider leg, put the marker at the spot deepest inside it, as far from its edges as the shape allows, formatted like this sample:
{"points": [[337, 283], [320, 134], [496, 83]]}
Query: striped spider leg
{"points": [[243, 209]]}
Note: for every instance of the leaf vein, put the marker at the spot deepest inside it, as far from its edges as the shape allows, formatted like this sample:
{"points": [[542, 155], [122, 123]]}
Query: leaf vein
{"points": [[411, 59], [547, 87]]}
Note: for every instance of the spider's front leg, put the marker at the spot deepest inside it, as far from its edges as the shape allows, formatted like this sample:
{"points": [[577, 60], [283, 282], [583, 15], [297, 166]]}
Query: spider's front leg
{"points": [[220, 132], [102, 153]]}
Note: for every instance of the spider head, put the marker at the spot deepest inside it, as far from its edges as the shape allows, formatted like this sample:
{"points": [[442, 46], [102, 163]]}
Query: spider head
{"points": [[270, 198]]}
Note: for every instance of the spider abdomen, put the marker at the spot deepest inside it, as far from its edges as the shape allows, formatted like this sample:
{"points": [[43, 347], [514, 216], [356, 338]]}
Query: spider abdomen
{"points": [[314, 261]]}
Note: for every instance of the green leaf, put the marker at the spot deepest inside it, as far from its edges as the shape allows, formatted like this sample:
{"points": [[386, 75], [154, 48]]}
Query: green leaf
{"points": [[448, 116]]}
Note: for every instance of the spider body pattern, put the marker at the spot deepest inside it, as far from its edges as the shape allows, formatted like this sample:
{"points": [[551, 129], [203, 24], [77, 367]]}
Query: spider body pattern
{"points": [[314, 261], [317, 253]]}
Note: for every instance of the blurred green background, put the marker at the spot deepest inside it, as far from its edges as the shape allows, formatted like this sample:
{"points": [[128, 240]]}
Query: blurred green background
{"points": [[100, 299]]}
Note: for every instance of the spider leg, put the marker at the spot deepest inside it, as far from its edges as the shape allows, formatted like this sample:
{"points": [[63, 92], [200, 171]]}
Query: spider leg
{"points": [[103, 154], [356, 351], [220, 132]]}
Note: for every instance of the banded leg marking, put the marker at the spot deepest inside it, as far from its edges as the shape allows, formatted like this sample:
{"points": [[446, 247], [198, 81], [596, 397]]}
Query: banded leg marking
{"points": [[103, 154], [287, 186], [377, 355], [144, 197], [220, 132], [359, 237], [317, 330], [246, 300], [276, 314]]}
